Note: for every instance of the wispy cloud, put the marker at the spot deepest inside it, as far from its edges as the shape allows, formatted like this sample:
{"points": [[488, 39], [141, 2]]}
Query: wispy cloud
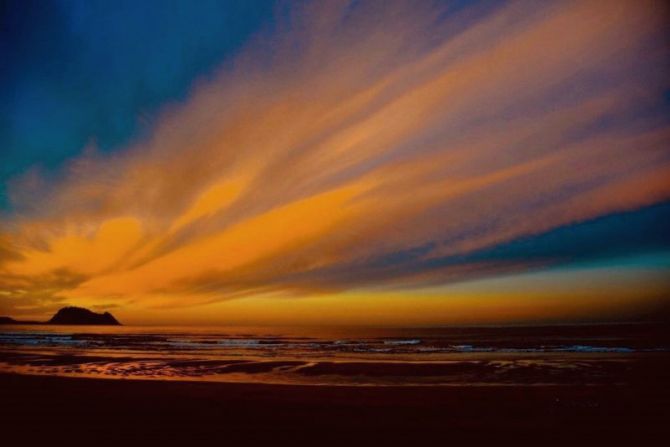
{"points": [[356, 138]]}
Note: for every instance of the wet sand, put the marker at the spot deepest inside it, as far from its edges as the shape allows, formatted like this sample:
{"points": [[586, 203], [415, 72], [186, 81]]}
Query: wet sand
{"points": [[48, 410]]}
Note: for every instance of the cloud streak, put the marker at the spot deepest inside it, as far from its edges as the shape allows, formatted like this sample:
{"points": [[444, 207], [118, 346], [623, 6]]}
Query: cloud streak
{"points": [[357, 138]]}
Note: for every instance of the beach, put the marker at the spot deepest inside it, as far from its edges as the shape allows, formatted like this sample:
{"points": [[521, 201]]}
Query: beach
{"points": [[60, 411], [583, 385]]}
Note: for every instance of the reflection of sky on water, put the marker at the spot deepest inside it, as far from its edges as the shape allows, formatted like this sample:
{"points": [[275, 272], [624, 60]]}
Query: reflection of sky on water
{"points": [[444, 356]]}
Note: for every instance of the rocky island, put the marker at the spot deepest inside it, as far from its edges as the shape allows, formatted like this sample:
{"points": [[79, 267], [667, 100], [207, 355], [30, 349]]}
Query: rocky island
{"points": [[72, 316]]}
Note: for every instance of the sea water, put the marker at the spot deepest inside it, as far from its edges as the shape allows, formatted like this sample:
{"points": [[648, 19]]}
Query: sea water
{"points": [[548, 355]]}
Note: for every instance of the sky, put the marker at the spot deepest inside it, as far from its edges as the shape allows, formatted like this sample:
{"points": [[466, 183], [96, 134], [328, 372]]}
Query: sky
{"points": [[335, 163]]}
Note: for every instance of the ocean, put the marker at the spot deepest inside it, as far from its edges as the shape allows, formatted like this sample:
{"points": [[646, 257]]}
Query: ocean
{"points": [[495, 356]]}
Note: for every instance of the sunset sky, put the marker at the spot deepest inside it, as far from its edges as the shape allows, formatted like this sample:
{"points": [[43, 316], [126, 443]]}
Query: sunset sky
{"points": [[364, 163]]}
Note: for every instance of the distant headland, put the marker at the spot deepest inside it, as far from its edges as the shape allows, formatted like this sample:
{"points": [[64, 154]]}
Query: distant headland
{"points": [[71, 316]]}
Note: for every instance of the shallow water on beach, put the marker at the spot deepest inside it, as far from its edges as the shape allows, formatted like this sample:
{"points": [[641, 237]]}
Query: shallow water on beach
{"points": [[557, 355]]}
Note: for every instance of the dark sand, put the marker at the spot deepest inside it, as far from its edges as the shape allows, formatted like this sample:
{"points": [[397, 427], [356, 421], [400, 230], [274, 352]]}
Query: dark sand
{"points": [[42, 410]]}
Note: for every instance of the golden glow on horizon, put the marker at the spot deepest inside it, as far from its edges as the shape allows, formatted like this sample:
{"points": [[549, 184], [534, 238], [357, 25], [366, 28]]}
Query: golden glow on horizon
{"points": [[589, 294]]}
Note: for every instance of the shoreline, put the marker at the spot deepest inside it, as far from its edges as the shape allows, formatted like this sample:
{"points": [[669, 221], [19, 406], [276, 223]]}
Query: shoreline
{"points": [[248, 380], [453, 370]]}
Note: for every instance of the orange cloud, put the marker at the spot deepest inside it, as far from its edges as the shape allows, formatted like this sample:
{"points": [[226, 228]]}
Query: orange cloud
{"points": [[354, 135]]}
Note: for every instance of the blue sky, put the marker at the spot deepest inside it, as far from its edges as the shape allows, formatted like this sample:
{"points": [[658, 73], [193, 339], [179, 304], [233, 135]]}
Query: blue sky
{"points": [[82, 72]]}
